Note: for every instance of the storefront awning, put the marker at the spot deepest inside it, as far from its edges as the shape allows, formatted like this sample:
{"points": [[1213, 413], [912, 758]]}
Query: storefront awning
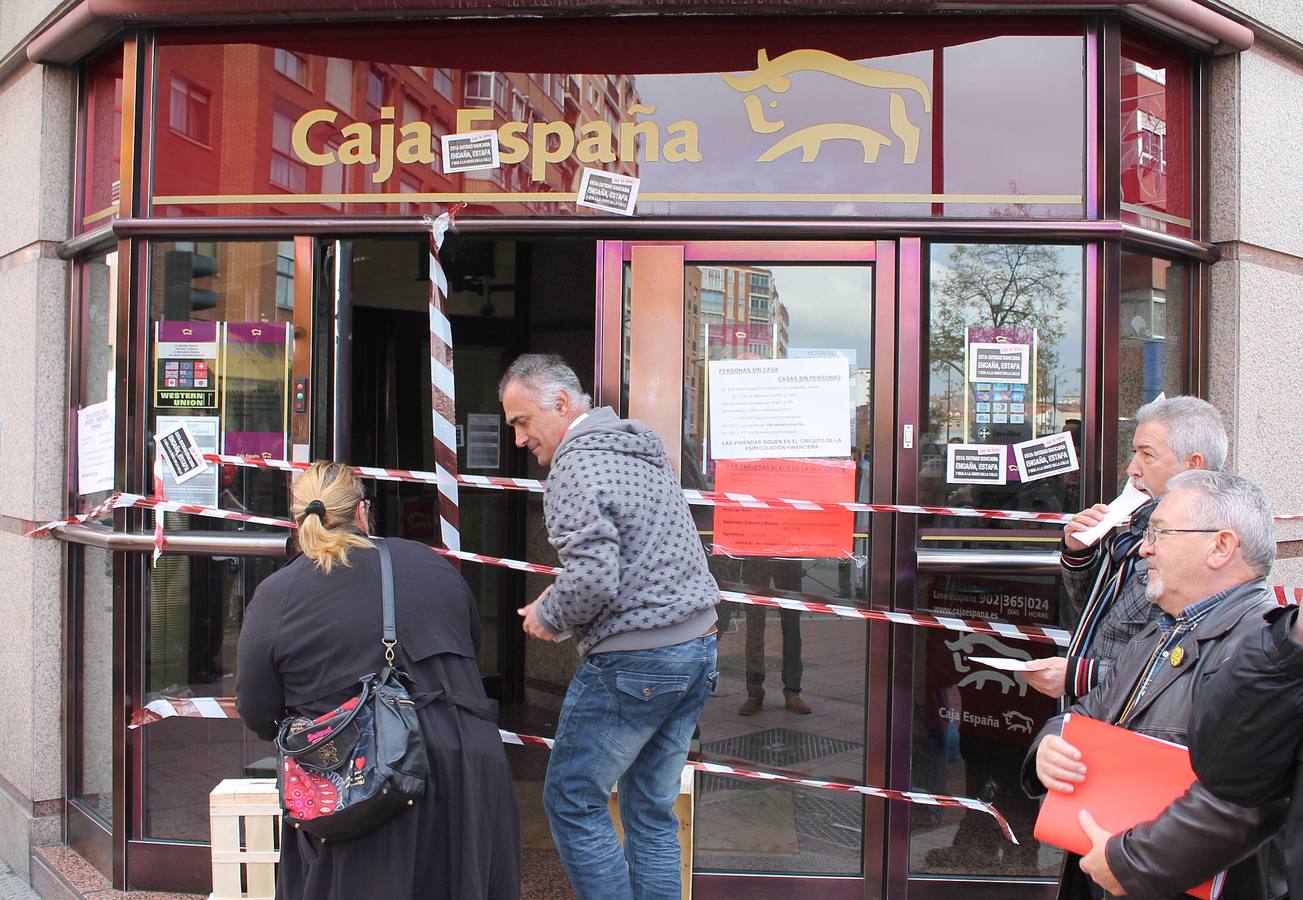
{"points": [[89, 23]]}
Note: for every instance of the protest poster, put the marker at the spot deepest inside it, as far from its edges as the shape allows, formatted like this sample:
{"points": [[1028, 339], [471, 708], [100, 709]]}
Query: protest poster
{"points": [[470, 151], [608, 192], [1045, 457], [785, 532], [782, 408]]}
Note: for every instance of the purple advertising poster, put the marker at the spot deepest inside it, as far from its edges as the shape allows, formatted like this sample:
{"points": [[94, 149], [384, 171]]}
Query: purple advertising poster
{"points": [[186, 373], [255, 398]]}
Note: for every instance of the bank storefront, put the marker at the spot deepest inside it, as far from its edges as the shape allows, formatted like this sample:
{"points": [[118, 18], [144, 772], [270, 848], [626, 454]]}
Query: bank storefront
{"points": [[889, 199]]}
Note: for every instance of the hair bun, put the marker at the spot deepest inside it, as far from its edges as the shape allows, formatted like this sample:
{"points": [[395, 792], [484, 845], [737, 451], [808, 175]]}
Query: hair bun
{"points": [[315, 506]]}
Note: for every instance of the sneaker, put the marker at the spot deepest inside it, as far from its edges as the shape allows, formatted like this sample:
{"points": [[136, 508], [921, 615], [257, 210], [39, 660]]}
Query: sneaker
{"points": [[752, 706], [797, 705]]}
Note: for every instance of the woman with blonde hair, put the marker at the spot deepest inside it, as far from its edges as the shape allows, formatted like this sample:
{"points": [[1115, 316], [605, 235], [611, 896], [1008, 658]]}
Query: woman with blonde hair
{"points": [[312, 630]]}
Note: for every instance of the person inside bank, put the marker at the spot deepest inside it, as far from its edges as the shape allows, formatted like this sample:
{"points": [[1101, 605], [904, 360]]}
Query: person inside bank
{"points": [[312, 630]]}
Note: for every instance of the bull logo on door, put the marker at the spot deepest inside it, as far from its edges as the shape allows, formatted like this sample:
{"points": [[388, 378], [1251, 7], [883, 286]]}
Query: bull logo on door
{"points": [[773, 74]]}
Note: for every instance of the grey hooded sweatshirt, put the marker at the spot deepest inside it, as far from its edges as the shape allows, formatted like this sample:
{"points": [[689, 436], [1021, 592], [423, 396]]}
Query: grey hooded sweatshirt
{"points": [[635, 574]]}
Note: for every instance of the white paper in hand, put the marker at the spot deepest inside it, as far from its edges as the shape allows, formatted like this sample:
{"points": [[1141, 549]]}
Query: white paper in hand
{"points": [[1003, 663], [1121, 508]]}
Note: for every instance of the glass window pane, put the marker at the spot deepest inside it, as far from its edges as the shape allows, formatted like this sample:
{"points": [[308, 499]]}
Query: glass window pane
{"points": [[94, 714], [868, 117], [992, 305], [103, 142], [1156, 123], [973, 725], [221, 315], [792, 687], [1152, 351]]}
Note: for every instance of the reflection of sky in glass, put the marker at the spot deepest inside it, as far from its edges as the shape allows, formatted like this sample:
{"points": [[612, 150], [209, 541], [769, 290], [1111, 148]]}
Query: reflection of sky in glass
{"points": [[830, 307], [1013, 109], [1069, 261]]}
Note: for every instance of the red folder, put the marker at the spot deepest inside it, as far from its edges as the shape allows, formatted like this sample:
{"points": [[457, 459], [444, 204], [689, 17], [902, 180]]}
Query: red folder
{"points": [[1130, 778]]}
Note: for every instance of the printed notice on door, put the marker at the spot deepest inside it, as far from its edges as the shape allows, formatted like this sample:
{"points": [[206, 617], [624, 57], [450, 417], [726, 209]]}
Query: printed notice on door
{"points": [[975, 464], [781, 408], [1045, 457], [999, 363], [470, 152], [607, 192]]}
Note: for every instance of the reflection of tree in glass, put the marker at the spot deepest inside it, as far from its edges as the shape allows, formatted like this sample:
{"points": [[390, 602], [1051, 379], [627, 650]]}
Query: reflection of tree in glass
{"points": [[1001, 286]]}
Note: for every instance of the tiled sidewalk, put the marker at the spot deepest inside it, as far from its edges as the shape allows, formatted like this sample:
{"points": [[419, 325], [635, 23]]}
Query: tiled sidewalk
{"points": [[12, 887]]}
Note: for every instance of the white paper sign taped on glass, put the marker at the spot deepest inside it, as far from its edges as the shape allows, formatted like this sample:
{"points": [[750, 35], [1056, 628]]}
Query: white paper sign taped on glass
{"points": [[998, 363], [181, 453], [975, 464], [1045, 457], [470, 151], [784, 408], [484, 441], [199, 488], [608, 192], [95, 448]]}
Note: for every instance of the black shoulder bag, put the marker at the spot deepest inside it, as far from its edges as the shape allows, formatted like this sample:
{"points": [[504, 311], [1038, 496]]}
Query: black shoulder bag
{"points": [[351, 770]]}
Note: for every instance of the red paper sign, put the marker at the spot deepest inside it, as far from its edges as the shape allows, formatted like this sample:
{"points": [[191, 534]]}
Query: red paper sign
{"points": [[785, 532]]}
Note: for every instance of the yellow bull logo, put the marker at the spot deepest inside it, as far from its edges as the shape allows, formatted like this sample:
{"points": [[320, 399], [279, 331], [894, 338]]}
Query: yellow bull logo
{"points": [[772, 74]]}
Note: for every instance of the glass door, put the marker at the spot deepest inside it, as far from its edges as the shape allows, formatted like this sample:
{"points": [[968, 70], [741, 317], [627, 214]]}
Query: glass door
{"points": [[767, 369]]}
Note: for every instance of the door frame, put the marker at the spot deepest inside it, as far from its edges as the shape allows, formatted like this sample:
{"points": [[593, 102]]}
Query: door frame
{"points": [[645, 280]]}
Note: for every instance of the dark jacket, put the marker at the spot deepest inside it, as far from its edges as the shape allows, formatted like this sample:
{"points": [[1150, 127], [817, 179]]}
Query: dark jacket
{"points": [[1247, 738], [306, 639], [1198, 835], [1104, 628]]}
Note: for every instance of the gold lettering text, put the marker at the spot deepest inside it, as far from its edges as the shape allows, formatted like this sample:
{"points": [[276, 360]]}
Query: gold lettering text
{"points": [[416, 146], [512, 145], [299, 137], [541, 155], [598, 147], [683, 142], [357, 144]]}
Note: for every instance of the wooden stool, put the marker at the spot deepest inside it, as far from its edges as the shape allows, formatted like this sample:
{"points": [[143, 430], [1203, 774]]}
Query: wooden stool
{"points": [[683, 809], [244, 865]]}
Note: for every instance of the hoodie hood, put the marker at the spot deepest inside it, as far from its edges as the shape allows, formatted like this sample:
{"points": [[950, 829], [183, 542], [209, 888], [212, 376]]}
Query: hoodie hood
{"points": [[601, 429]]}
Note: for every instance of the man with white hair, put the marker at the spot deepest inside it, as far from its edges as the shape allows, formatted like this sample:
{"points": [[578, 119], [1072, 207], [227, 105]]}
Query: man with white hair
{"points": [[1210, 545], [639, 599], [1105, 583]]}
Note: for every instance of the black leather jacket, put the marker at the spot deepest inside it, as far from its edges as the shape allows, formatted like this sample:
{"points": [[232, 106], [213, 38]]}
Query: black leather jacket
{"points": [[1247, 736], [1198, 835]]}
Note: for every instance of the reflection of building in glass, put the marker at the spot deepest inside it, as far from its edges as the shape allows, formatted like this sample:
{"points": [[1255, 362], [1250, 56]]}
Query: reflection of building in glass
{"points": [[730, 312], [211, 127], [1144, 134], [1144, 329]]}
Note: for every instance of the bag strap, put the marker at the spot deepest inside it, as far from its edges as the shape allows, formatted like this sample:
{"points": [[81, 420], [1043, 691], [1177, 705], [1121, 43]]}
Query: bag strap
{"points": [[389, 635], [282, 734]]}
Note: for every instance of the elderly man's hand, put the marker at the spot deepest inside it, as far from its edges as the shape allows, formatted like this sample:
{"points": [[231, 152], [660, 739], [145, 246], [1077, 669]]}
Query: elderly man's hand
{"points": [[1095, 863], [1047, 675], [1087, 518], [1059, 765], [533, 623]]}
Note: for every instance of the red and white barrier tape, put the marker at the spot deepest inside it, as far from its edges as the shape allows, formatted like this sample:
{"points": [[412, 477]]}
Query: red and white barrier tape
{"points": [[160, 543], [224, 708], [701, 764], [136, 501], [694, 497], [1036, 633], [443, 388], [1287, 596], [188, 707], [950, 623]]}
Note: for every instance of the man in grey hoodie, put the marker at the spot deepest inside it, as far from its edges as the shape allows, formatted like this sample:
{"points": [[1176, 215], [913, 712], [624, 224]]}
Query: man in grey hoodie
{"points": [[636, 594]]}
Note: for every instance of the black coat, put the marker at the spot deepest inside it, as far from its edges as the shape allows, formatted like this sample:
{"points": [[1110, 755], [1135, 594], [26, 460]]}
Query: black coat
{"points": [[1247, 736], [307, 638], [1198, 834]]}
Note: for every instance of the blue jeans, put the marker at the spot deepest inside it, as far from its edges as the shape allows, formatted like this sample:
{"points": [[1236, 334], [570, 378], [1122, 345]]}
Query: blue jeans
{"points": [[628, 718]]}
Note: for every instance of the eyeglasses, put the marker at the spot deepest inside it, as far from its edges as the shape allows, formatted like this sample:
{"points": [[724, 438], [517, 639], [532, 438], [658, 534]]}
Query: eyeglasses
{"points": [[1152, 532]]}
